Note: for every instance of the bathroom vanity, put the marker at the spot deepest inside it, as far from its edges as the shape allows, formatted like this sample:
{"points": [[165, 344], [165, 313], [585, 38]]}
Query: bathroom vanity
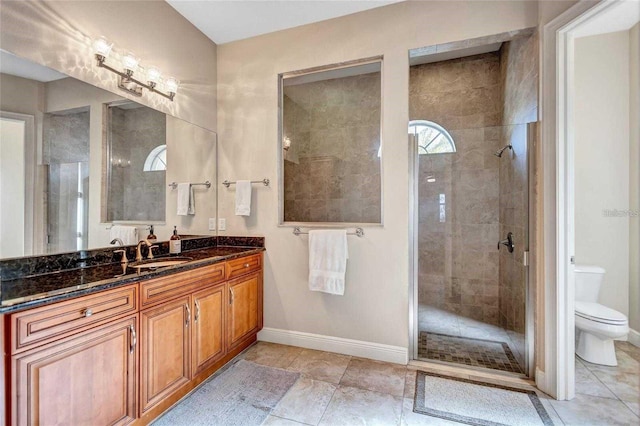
{"points": [[125, 349]]}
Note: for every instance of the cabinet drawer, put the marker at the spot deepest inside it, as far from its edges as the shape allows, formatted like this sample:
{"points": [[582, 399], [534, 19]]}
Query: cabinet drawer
{"points": [[52, 322], [166, 288], [244, 265]]}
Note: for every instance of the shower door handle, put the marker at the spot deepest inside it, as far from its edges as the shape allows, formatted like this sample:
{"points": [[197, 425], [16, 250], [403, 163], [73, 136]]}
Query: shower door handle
{"points": [[507, 242]]}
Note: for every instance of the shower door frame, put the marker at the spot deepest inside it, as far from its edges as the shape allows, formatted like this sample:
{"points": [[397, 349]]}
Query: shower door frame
{"points": [[530, 296]]}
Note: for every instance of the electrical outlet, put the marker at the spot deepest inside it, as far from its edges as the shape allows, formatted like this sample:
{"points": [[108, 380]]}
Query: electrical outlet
{"points": [[212, 224], [222, 224]]}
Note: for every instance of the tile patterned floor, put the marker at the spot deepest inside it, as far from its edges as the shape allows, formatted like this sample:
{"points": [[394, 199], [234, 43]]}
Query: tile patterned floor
{"points": [[435, 320], [342, 390], [468, 351]]}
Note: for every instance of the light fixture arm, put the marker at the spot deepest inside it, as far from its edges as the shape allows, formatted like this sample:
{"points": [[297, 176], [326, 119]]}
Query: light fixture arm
{"points": [[127, 77]]}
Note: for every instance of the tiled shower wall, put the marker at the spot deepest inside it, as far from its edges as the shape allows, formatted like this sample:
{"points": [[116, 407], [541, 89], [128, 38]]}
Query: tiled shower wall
{"points": [[519, 73], [332, 169], [458, 260], [135, 194]]}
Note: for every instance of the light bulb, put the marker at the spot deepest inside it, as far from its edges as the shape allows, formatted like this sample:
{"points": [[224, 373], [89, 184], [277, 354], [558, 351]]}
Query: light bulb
{"points": [[153, 75], [130, 62], [102, 47], [171, 85]]}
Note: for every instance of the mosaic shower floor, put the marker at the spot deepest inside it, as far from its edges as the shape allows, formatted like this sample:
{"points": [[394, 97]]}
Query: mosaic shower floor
{"points": [[467, 351], [457, 339]]}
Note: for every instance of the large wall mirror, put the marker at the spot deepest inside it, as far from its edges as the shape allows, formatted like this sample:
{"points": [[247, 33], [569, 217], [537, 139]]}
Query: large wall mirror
{"points": [[76, 159], [330, 145]]}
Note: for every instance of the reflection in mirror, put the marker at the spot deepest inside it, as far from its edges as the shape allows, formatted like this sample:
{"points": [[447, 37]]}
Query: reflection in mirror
{"points": [[330, 142], [67, 148], [136, 163]]}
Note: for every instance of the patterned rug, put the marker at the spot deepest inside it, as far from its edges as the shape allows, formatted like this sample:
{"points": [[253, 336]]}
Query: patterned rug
{"points": [[243, 394], [468, 351], [474, 403]]}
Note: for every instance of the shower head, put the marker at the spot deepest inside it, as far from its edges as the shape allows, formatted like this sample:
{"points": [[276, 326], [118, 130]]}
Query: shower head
{"points": [[499, 152]]}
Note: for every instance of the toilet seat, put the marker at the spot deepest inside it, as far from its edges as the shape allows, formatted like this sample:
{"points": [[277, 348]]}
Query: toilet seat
{"points": [[599, 313]]}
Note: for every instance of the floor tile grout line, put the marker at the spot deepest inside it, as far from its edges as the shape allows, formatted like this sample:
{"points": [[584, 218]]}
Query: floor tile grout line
{"points": [[292, 420], [328, 404]]}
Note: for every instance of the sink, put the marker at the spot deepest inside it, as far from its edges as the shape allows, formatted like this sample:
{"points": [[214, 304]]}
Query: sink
{"points": [[162, 262]]}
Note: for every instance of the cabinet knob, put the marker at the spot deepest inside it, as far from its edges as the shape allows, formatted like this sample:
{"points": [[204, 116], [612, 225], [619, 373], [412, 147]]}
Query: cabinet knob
{"points": [[88, 313], [246, 265]]}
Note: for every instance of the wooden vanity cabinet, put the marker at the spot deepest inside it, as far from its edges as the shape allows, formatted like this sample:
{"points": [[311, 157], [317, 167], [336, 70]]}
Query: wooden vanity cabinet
{"points": [[208, 332], [115, 358], [182, 337], [164, 350], [88, 379], [244, 308]]}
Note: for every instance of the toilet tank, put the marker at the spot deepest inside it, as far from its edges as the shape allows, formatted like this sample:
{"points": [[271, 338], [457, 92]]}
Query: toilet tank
{"points": [[588, 282]]}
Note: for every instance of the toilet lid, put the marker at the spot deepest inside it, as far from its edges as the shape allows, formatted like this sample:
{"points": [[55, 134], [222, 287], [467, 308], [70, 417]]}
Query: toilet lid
{"points": [[600, 313]]}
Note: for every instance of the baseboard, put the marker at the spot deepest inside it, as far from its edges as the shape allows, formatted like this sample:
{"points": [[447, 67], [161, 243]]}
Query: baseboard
{"points": [[634, 337], [377, 351], [541, 380]]}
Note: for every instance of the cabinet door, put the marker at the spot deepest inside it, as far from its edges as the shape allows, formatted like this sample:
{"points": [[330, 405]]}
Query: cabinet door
{"points": [[164, 350], [245, 306], [208, 327], [89, 379]]}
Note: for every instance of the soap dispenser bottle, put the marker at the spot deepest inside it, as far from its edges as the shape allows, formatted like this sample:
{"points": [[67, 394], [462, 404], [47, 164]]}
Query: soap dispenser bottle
{"points": [[175, 243], [152, 237]]}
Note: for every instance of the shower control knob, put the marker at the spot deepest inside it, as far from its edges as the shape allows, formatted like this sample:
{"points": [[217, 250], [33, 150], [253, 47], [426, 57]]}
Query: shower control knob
{"points": [[507, 242]]}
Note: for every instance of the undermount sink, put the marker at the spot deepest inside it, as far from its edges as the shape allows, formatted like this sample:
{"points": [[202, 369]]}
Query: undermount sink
{"points": [[159, 263]]}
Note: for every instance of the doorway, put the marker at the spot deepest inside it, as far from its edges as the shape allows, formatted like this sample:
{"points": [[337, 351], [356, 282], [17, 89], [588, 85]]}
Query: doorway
{"points": [[17, 168], [469, 140]]}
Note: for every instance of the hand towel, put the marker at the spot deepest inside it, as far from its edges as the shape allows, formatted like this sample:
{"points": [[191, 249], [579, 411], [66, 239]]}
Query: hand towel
{"points": [[128, 234], [243, 198], [186, 200], [328, 254]]}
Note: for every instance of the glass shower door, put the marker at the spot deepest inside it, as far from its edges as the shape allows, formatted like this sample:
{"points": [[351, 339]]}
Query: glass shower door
{"points": [[67, 206]]}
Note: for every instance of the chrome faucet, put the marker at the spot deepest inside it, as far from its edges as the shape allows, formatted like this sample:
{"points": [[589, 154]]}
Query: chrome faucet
{"points": [[139, 251], [117, 240]]}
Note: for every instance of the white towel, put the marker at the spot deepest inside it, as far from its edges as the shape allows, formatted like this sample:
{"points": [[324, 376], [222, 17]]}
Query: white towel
{"points": [[128, 234], [328, 254], [243, 198], [186, 200]]}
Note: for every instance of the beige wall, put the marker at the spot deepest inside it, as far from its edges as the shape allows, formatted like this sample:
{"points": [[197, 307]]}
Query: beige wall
{"points": [[375, 305], [59, 35], [602, 160], [634, 177]]}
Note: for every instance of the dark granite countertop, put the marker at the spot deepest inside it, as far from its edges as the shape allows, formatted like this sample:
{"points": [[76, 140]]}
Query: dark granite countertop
{"points": [[36, 290]]}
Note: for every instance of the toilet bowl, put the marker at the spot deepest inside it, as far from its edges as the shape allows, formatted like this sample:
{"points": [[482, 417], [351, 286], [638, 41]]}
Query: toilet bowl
{"points": [[596, 325]]}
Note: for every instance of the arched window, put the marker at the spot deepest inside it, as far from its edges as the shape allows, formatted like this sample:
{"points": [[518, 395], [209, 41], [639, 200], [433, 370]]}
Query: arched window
{"points": [[156, 160], [432, 138]]}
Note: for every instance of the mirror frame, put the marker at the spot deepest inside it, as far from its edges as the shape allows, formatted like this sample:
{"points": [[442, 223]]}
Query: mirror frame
{"points": [[290, 74]]}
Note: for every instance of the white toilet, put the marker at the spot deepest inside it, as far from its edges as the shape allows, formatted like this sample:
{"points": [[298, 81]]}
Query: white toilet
{"points": [[596, 325]]}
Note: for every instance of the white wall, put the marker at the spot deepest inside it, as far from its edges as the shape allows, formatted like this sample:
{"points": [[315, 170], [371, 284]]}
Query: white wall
{"points": [[634, 176], [375, 307], [602, 160], [12, 196]]}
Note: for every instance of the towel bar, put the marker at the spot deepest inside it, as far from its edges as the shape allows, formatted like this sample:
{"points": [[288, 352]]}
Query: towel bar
{"points": [[174, 185], [359, 232], [264, 181]]}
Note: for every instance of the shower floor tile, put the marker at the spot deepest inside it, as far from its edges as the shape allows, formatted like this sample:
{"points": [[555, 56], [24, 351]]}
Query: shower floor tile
{"points": [[467, 351]]}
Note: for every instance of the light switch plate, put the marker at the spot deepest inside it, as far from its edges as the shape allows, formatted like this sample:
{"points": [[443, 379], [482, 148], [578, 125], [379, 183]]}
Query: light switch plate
{"points": [[222, 224], [212, 224]]}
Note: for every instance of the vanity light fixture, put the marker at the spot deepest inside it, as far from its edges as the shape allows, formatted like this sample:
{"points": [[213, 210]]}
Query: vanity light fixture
{"points": [[131, 65]]}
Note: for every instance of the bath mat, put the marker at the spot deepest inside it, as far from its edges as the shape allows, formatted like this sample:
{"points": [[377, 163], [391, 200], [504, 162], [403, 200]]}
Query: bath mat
{"points": [[467, 351], [244, 394], [475, 403]]}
